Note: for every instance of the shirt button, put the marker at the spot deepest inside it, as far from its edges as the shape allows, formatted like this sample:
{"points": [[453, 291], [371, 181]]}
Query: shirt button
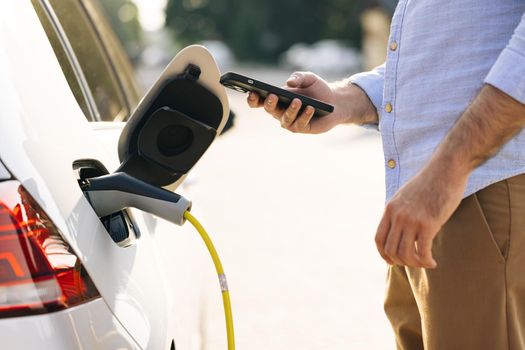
{"points": [[391, 163], [388, 107], [393, 46]]}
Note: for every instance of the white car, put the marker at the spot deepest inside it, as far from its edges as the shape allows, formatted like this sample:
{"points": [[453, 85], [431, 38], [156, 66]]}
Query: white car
{"points": [[66, 90]]}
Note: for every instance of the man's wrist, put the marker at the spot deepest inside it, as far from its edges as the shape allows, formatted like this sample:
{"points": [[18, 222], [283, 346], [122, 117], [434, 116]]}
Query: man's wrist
{"points": [[368, 114], [448, 168], [358, 107]]}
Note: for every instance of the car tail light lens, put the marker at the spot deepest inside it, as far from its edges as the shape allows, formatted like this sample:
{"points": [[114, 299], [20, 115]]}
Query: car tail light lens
{"points": [[39, 272]]}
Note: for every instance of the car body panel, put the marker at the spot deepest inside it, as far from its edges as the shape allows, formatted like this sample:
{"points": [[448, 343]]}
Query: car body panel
{"points": [[88, 326], [4, 174]]}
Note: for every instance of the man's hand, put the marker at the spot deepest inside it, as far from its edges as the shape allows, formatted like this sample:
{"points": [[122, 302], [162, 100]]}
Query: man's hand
{"points": [[351, 104], [414, 216]]}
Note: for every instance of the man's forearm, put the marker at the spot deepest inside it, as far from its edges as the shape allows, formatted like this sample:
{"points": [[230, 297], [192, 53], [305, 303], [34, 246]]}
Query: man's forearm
{"points": [[489, 122], [356, 101]]}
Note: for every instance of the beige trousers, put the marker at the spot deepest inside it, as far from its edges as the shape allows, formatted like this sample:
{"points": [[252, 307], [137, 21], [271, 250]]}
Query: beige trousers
{"points": [[475, 298]]}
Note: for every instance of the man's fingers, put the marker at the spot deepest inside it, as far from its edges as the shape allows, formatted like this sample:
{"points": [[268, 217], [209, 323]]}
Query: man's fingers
{"points": [[407, 248], [302, 123], [290, 114], [381, 236], [270, 105], [301, 79], [392, 243], [424, 250], [254, 100]]}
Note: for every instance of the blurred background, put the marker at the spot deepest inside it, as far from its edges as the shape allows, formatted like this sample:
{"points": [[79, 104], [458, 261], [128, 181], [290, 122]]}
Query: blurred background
{"points": [[293, 216], [333, 38]]}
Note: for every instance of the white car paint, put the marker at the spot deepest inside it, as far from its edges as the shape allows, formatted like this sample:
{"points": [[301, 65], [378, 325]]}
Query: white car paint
{"points": [[88, 326], [42, 132]]}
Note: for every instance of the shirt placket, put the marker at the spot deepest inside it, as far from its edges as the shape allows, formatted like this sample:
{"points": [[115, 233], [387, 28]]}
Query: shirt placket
{"points": [[388, 110]]}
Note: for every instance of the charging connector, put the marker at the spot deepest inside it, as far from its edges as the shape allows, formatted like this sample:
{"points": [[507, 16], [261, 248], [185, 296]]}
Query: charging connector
{"points": [[111, 193]]}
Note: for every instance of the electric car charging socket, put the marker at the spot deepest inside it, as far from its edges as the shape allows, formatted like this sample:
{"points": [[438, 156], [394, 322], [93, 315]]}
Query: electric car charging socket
{"points": [[166, 135]]}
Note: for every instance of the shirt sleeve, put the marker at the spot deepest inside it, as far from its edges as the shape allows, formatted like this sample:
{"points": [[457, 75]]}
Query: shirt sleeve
{"points": [[372, 83], [508, 73]]}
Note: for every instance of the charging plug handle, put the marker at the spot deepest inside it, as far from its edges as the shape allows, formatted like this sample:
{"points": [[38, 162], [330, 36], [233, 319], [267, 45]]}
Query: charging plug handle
{"points": [[111, 193]]}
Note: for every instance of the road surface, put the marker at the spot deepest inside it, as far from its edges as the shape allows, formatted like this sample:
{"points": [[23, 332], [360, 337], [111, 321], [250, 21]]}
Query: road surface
{"points": [[293, 218]]}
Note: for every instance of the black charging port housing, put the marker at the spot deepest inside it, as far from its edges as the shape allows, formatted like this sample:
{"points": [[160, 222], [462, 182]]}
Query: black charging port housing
{"points": [[120, 225], [170, 129]]}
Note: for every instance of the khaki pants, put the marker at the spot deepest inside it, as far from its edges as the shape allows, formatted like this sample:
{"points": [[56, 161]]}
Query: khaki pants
{"points": [[475, 298]]}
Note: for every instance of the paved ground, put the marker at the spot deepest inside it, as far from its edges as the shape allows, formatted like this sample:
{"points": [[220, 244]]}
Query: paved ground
{"points": [[293, 217]]}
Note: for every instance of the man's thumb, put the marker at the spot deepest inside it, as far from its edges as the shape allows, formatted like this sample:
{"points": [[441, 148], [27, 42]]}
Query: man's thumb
{"points": [[301, 79], [295, 80]]}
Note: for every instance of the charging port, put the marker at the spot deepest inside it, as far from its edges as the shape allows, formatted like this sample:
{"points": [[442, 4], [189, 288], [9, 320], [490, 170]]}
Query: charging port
{"points": [[120, 224]]}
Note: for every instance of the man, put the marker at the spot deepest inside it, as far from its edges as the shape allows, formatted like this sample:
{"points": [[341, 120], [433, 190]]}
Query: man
{"points": [[450, 104]]}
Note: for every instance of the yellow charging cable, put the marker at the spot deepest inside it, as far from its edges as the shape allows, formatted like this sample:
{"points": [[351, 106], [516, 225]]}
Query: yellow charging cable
{"points": [[222, 278]]}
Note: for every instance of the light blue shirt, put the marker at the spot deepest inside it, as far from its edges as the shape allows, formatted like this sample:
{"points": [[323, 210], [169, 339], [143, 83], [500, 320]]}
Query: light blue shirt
{"points": [[440, 53]]}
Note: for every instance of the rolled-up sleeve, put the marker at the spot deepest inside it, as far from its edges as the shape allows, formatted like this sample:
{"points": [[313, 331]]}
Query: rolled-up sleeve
{"points": [[508, 73], [372, 83]]}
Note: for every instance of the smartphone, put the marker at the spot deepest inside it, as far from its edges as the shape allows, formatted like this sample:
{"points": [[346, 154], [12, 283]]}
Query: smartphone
{"points": [[243, 83]]}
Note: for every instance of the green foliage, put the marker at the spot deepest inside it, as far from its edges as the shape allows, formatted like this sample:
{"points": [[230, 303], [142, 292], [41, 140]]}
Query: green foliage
{"points": [[262, 30], [123, 16]]}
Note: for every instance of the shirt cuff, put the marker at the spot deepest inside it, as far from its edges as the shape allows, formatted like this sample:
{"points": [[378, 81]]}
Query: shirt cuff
{"points": [[508, 74], [372, 84]]}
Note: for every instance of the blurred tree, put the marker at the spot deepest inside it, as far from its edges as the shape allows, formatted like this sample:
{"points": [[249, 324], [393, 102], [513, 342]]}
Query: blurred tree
{"points": [[375, 20], [262, 30], [388, 5], [123, 16]]}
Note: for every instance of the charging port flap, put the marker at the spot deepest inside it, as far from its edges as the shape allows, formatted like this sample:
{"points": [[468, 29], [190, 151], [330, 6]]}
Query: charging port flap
{"points": [[177, 120]]}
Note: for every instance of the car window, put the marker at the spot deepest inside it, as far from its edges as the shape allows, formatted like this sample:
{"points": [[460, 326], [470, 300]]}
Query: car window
{"points": [[63, 59], [94, 67], [99, 12]]}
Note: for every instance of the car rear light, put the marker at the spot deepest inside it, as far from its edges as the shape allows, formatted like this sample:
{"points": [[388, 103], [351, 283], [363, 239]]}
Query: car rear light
{"points": [[39, 272]]}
